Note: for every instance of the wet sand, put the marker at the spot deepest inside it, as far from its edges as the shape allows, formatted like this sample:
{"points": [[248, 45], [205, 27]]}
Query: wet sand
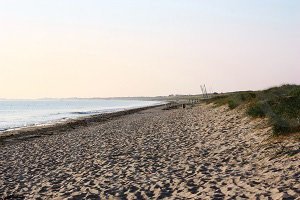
{"points": [[198, 153]]}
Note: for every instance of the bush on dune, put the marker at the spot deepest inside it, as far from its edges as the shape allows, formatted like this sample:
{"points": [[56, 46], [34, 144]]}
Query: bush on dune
{"points": [[258, 109], [280, 104]]}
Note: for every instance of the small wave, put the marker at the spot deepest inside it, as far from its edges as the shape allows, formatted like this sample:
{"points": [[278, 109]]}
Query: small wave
{"points": [[84, 113], [74, 113]]}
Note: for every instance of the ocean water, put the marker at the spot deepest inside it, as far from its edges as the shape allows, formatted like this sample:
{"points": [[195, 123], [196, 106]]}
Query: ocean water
{"points": [[22, 113]]}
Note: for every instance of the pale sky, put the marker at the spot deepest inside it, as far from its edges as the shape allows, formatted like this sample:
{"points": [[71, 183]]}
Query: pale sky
{"points": [[95, 48]]}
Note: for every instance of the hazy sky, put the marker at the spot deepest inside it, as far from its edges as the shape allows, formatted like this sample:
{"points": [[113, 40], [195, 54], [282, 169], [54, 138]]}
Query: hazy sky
{"points": [[95, 48]]}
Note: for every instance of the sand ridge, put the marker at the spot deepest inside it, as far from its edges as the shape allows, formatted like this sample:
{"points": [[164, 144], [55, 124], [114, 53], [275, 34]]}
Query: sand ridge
{"points": [[198, 153]]}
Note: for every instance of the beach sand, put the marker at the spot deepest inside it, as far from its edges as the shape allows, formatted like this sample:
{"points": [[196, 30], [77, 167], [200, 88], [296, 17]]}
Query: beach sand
{"points": [[198, 153]]}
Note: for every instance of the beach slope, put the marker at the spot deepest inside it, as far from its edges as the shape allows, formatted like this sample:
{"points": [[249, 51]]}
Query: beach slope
{"points": [[198, 153]]}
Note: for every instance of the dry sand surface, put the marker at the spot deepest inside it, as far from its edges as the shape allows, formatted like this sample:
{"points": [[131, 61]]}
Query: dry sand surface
{"points": [[198, 153]]}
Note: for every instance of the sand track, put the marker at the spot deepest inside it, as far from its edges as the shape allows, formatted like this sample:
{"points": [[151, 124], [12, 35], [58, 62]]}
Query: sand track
{"points": [[199, 153]]}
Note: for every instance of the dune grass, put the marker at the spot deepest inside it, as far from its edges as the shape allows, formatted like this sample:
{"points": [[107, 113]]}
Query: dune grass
{"points": [[281, 105]]}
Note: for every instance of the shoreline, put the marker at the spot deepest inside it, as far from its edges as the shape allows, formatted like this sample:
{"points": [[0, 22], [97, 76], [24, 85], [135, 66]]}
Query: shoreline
{"points": [[36, 131]]}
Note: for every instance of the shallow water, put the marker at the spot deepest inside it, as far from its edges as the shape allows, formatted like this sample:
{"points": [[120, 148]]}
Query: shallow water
{"points": [[22, 113]]}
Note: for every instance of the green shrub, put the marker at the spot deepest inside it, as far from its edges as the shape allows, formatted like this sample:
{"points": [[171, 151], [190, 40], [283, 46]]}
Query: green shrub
{"points": [[280, 104], [247, 96], [280, 126], [252, 95], [257, 109], [232, 104], [295, 92], [218, 100]]}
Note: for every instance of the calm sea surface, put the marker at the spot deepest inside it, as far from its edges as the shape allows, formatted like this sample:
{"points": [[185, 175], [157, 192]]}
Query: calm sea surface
{"points": [[22, 113]]}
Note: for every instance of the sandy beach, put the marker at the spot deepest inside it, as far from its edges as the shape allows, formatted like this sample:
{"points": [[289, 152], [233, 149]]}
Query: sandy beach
{"points": [[196, 153]]}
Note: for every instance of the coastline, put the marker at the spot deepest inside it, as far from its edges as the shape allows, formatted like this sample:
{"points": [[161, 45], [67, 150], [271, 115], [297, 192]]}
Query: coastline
{"points": [[41, 130], [198, 153]]}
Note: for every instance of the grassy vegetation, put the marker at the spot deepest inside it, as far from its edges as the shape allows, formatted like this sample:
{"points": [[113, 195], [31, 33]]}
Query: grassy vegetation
{"points": [[281, 105]]}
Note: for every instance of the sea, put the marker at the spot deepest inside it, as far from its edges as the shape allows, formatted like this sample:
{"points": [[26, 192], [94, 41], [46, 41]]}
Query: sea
{"points": [[15, 114]]}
